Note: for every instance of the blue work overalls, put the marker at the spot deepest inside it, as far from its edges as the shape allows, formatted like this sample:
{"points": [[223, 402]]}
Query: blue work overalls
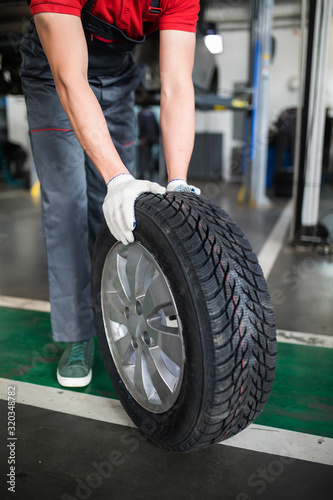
{"points": [[72, 190]]}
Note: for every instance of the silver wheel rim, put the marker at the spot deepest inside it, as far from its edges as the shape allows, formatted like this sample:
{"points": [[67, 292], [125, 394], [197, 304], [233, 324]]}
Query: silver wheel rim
{"points": [[142, 326]]}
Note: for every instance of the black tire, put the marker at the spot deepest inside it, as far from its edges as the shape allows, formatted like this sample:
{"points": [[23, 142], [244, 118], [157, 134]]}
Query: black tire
{"points": [[226, 316]]}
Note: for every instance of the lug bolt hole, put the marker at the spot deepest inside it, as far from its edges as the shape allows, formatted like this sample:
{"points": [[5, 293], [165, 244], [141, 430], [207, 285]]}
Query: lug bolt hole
{"points": [[134, 343], [127, 312], [146, 338], [138, 308]]}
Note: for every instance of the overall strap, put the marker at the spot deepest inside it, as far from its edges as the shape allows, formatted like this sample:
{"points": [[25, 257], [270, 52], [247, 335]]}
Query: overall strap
{"points": [[106, 31], [154, 11], [88, 5], [155, 7], [94, 26]]}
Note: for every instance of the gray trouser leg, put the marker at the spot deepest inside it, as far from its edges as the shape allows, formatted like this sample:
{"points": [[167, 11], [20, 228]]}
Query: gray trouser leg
{"points": [[60, 165], [72, 190]]}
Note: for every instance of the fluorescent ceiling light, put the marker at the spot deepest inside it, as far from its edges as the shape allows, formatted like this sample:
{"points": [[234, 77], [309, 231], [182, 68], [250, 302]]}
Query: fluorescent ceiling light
{"points": [[214, 43]]}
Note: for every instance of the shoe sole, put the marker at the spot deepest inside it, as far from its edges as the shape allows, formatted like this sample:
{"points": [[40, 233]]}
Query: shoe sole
{"points": [[74, 381]]}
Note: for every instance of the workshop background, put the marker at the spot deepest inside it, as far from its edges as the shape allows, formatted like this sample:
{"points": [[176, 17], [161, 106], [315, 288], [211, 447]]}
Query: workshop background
{"points": [[264, 153]]}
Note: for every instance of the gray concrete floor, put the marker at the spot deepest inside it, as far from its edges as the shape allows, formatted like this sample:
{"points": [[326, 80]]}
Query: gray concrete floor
{"points": [[114, 462], [22, 247], [22, 250]]}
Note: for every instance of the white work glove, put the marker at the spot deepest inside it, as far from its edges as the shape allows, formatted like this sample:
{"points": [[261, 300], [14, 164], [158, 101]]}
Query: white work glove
{"points": [[118, 206], [179, 185]]}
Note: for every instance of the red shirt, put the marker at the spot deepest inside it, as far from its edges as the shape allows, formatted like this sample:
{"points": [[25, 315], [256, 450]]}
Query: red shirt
{"points": [[129, 15]]}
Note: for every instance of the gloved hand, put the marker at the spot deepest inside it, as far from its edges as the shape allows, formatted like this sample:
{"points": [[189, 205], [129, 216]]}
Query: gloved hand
{"points": [[118, 206], [180, 185]]}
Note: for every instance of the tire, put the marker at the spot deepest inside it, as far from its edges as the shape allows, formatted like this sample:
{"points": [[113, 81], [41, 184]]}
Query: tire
{"points": [[184, 322]]}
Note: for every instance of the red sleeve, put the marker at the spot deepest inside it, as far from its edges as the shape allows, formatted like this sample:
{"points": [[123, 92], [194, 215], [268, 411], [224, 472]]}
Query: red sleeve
{"points": [[73, 7], [180, 15]]}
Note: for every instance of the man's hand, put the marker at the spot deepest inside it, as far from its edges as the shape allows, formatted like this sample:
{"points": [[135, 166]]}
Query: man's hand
{"points": [[181, 186], [118, 206]]}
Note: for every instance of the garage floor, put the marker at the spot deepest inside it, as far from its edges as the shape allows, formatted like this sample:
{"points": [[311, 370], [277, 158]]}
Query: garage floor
{"points": [[79, 444]]}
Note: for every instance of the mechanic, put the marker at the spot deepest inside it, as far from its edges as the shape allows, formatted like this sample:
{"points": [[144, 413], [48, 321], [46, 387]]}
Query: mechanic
{"points": [[78, 77]]}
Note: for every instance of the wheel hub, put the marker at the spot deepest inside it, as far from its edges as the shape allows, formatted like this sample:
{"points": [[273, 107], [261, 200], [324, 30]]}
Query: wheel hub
{"points": [[142, 326]]}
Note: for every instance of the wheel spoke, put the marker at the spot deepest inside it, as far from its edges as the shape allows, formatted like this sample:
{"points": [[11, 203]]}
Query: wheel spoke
{"points": [[115, 283], [133, 258], [157, 294], [116, 307], [124, 348], [171, 345], [142, 379], [163, 380], [157, 320], [121, 282], [145, 274]]}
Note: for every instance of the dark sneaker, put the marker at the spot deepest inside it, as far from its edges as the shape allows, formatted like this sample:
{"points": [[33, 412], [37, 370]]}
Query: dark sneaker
{"points": [[74, 368]]}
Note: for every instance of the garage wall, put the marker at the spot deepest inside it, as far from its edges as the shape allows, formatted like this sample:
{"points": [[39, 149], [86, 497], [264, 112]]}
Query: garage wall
{"points": [[233, 69], [285, 77], [285, 80]]}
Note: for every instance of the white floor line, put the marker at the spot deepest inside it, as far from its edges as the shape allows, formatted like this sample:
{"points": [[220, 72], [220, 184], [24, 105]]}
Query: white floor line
{"points": [[28, 304], [272, 246], [295, 445], [66, 401], [309, 339], [258, 438]]}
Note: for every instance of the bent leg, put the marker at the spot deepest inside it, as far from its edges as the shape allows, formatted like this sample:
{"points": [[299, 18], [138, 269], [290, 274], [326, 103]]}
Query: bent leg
{"points": [[60, 166], [59, 162]]}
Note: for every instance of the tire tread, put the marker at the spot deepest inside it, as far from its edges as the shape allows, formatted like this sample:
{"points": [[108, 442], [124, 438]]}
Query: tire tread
{"points": [[221, 256]]}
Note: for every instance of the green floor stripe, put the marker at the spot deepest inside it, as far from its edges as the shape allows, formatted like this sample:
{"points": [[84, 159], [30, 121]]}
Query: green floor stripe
{"points": [[30, 355], [302, 395], [301, 400]]}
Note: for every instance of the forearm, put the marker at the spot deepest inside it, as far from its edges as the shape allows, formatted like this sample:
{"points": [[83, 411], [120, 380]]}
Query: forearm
{"points": [[89, 125], [178, 129], [177, 100]]}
